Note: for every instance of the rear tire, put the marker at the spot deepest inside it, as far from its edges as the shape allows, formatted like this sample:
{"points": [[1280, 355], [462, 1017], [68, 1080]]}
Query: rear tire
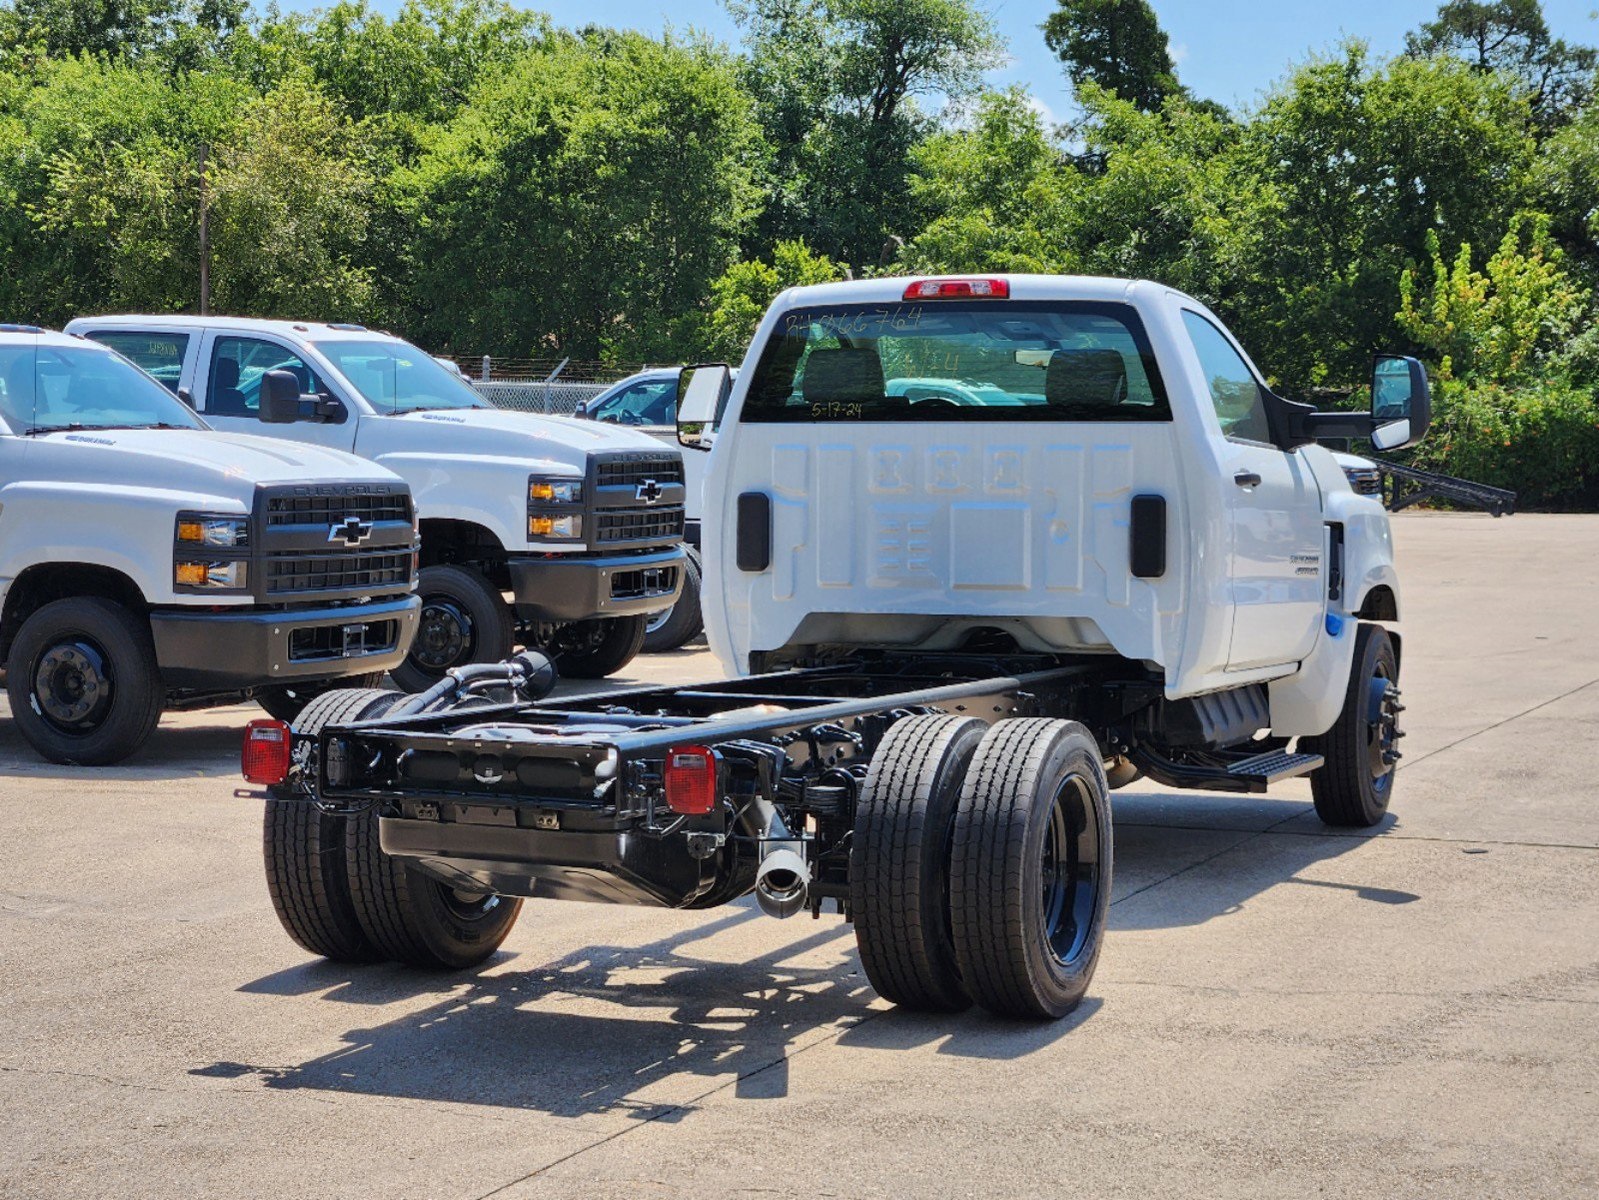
{"points": [[464, 620], [681, 623], [1353, 787], [899, 861], [83, 681], [412, 917], [286, 701], [597, 648], [1031, 867], [304, 848]]}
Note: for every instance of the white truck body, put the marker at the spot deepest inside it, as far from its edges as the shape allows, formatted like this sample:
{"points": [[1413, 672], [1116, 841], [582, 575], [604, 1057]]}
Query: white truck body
{"points": [[91, 504], [911, 534], [470, 466]]}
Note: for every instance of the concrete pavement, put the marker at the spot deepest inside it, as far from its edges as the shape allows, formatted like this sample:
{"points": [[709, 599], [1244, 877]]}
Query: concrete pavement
{"points": [[1279, 1009]]}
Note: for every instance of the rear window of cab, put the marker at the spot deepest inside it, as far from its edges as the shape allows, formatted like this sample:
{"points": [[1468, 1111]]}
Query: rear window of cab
{"points": [[949, 361]]}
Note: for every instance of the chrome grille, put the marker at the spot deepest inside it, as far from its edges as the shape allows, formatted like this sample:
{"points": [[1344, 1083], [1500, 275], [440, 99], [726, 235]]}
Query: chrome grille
{"points": [[1367, 481]]}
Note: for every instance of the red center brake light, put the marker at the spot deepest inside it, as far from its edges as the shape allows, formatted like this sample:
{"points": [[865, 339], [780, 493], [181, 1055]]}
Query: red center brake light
{"points": [[265, 757], [958, 289], [690, 779]]}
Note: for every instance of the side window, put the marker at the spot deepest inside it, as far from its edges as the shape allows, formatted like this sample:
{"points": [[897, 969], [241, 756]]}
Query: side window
{"points": [[1233, 387], [233, 385], [161, 354], [652, 402]]}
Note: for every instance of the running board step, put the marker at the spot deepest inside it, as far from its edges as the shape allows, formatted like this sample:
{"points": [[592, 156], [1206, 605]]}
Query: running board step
{"points": [[1246, 773]]}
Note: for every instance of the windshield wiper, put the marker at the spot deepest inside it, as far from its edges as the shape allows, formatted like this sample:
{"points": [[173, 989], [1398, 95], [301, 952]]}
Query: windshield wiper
{"points": [[80, 427]]}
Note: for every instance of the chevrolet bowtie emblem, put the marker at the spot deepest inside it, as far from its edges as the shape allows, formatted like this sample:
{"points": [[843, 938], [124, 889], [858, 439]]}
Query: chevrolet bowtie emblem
{"points": [[649, 491], [351, 531]]}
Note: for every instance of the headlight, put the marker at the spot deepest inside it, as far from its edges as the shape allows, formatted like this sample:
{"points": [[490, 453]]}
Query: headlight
{"points": [[204, 529], [545, 526], [554, 491], [224, 576]]}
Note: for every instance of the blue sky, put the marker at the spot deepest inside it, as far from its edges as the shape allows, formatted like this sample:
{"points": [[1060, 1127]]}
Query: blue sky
{"points": [[1226, 50]]}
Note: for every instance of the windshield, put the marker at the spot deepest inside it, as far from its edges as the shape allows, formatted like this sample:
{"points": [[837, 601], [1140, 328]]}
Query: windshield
{"points": [[48, 387], [396, 377], [977, 361], [650, 402]]}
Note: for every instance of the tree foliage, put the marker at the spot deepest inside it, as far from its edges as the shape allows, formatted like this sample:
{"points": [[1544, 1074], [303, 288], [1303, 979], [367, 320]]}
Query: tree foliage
{"points": [[1117, 45]]}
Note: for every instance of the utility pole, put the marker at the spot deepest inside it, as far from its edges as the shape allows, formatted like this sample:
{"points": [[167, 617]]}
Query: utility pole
{"points": [[205, 240]]}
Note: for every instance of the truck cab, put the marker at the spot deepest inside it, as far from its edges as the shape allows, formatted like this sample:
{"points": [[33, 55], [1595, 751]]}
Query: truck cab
{"points": [[579, 524], [148, 562]]}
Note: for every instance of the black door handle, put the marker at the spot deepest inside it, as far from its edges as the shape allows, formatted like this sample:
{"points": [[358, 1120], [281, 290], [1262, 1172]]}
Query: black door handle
{"points": [[1246, 479]]}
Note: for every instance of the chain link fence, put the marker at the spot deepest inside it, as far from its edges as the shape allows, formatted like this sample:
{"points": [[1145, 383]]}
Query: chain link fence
{"points": [[539, 385]]}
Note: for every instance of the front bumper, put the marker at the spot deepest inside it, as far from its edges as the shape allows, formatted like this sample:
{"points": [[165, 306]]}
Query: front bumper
{"points": [[206, 650], [569, 588]]}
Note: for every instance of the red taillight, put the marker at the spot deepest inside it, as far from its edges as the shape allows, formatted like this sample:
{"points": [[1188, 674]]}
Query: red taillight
{"points": [[958, 289], [690, 779], [265, 758]]}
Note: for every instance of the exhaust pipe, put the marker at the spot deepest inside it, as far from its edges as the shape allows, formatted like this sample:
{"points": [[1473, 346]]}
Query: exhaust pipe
{"points": [[782, 882]]}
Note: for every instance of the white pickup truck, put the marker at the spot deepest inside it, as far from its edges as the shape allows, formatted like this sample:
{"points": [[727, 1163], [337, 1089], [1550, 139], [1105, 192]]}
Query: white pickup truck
{"points": [[977, 550], [581, 524], [146, 562]]}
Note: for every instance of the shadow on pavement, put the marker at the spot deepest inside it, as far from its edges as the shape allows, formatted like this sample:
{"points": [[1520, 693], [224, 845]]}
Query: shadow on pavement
{"points": [[617, 1029]]}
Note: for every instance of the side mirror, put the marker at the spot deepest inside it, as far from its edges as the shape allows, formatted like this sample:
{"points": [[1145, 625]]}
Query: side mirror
{"points": [[1401, 402], [701, 391], [280, 398]]}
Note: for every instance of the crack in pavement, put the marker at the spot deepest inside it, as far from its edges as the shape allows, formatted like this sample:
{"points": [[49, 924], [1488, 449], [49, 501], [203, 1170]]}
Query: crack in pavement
{"points": [[1500, 723], [1362, 837]]}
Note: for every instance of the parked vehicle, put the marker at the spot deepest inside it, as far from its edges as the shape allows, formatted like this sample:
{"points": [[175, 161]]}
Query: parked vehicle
{"points": [[955, 627], [647, 401], [147, 562], [581, 523]]}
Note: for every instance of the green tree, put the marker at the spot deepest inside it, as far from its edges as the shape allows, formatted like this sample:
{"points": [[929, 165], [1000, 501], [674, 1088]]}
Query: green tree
{"points": [[186, 33], [1116, 44], [741, 296], [838, 86], [1512, 36], [1497, 324], [584, 201]]}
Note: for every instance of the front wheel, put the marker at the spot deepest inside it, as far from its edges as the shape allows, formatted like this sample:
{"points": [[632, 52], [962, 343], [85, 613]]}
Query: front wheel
{"points": [[597, 648], [463, 620], [83, 681], [680, 624], [1030, 868], [1353, 787]]}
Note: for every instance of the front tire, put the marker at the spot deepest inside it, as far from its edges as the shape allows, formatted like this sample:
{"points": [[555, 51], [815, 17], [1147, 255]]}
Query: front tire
{"points": [[899, 861], [597, 648], [1353, 787], [304, 848], [682, 623], [463, 620], [84, 684], [1031, 867]]}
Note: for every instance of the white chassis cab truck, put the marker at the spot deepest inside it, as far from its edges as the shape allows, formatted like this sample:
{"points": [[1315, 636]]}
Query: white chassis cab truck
{"points": [[147, 562], [977, 551], [580, 524]]}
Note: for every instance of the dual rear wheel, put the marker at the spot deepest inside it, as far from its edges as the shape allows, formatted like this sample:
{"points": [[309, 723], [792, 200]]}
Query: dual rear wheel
{"points": [[981, 865], [338, 895]]}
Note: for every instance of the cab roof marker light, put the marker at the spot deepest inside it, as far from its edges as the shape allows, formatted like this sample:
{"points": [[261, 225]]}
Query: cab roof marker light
{"points": [[958, 289]]}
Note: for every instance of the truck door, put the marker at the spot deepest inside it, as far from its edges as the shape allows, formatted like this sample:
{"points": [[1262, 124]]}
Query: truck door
{"points": [[1274, 508], [228, 389]]}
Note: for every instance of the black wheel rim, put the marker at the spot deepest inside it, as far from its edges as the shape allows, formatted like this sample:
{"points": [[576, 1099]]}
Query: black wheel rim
{"points": [[444, 636], [469, 906], [1070, 871], [1382, 728], [73, 685]]}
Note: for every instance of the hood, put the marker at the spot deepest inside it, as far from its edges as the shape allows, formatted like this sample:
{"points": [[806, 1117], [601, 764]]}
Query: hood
{"points": [[546, 435], [202, 461]]}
